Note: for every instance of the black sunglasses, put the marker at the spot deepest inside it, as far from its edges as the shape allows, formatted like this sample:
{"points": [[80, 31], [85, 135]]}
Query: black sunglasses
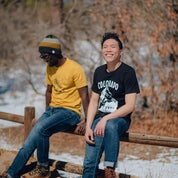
{"points": [[44, 56]]}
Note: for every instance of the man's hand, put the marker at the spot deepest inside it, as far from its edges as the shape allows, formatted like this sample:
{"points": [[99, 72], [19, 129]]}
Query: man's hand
{"points": [[89, 136], [100, 127], [81, 127]]}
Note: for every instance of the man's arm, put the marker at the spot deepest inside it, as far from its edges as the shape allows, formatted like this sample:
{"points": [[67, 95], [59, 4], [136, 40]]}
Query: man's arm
{"points": [[48, 95], [92, 109], [83, 92], [127, 108]]}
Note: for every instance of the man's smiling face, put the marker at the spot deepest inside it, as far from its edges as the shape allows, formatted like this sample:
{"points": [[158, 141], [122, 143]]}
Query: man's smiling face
{"points": [[111, 51]]}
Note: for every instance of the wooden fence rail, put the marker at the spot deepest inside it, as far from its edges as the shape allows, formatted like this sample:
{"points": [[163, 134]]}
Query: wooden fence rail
{"points": [[29, 120]]}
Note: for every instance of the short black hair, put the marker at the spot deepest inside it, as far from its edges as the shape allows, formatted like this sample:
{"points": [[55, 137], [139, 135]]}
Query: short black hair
{"points": [[59, 56], [110, 35]]}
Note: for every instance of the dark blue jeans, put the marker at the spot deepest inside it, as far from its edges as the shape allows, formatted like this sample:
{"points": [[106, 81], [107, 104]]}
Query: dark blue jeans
{"points": [[53, 120], [109, 143]]}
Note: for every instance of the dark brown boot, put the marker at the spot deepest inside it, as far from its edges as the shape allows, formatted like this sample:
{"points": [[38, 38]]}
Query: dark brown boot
{"points": [[110, 173]]}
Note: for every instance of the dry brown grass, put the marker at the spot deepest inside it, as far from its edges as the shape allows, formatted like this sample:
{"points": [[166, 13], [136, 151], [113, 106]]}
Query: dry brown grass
{"points": [[165, 124]]}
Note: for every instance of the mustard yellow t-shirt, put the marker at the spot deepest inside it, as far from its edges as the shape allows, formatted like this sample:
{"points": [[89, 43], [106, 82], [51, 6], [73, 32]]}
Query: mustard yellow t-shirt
{"points": [[66, 80]]}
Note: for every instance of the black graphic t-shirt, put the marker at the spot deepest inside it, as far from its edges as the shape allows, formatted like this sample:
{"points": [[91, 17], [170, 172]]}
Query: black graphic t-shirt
{"points": [[113, 86]]}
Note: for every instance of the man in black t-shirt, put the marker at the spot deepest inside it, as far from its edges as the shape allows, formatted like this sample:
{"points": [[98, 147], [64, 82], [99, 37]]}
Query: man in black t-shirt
{"points": [[112, 102]]}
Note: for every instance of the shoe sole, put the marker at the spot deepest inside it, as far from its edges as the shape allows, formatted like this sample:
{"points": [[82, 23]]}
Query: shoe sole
{"points": [[47, 176]]}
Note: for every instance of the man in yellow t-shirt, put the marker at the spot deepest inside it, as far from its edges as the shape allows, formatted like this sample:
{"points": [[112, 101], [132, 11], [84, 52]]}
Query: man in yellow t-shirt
{"points": [[66, 91]]}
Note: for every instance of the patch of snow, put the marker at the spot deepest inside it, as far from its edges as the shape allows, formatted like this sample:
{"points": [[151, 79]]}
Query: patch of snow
{"points": [[5, 146], [148, 169]]}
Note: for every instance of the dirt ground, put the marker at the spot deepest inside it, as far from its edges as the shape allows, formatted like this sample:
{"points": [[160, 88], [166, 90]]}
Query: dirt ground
{"points": [[75, 145]]}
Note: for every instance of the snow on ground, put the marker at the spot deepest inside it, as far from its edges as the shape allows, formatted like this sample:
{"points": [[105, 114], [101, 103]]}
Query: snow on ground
{"points": [[150, 169], [140, 168], [15, 103]]}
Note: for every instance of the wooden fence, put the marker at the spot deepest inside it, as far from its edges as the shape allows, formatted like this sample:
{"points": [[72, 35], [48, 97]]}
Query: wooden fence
{"points": [[29, 120]]}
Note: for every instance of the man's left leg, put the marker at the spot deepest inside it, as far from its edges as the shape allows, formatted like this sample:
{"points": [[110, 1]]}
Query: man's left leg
{"points": [[60, 119], [93, 154], [114, 129]]}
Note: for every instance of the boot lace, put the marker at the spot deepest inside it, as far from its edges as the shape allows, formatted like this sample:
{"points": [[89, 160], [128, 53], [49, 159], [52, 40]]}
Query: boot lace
{"points": [[110, 173], [38, 171]]}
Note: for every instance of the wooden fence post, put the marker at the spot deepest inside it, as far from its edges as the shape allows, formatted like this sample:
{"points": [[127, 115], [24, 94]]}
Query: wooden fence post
{"points": [[28, 117]]}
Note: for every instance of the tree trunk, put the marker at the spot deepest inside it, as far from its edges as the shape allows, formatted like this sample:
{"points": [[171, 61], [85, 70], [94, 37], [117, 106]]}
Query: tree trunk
{"points": [[56, 11]]}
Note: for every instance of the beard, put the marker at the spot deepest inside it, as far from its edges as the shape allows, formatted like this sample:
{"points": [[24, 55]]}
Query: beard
{"points": [[53, 62]]}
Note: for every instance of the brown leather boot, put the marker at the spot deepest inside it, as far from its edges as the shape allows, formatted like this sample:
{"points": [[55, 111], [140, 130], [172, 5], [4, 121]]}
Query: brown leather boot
{"points": [[110, 173], [38, 172]]}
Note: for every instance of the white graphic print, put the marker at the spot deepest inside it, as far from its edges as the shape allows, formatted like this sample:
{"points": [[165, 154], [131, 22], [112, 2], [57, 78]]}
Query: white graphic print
{"points": [[108, 103]]}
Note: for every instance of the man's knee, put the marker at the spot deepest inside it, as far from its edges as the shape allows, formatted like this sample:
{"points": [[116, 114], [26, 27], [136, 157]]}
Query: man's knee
{"points": [[111, 125]]}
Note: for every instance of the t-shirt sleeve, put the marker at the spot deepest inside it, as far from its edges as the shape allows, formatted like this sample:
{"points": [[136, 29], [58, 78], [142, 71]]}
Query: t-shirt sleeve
{"points": [[94, 85], [80, 78], [130, 82]]}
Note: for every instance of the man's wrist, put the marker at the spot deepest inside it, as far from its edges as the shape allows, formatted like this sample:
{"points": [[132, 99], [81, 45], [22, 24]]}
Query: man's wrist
{"points": [[105, 118], [87, 126]]}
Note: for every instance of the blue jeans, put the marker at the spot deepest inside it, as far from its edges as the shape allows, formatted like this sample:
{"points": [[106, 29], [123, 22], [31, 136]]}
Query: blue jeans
{"points": [[109, 143], [53, 120]]}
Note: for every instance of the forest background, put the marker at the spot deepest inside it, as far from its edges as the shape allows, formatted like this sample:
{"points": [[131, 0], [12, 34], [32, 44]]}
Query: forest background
{"points": [[148, 30]]}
